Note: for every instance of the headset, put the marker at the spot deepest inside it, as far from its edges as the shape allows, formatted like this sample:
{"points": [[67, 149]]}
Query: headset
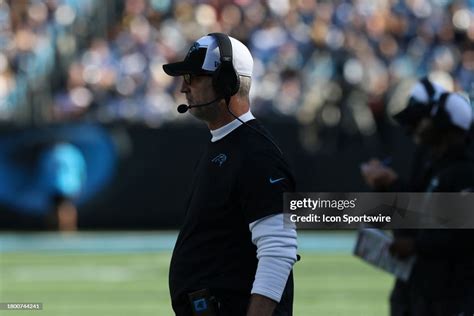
{"points": [[441, 118], [225, 80], [424, 108], [415, 109], [430, 90]]}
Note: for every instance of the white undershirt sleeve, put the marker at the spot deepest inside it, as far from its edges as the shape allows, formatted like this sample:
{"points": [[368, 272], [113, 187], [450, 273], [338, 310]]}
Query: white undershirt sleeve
{"points": [[276, 253]]}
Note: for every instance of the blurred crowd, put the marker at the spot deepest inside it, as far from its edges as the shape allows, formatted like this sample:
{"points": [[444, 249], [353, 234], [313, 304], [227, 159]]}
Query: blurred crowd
{"points": [[38, 40], [330, 64]]}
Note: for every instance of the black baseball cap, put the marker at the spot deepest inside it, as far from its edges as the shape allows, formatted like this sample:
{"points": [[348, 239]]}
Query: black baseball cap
{"points": [[192, 64]]}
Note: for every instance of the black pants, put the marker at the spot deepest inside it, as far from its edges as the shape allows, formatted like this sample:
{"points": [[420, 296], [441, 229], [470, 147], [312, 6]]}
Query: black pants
{"points": [[233, 303]]}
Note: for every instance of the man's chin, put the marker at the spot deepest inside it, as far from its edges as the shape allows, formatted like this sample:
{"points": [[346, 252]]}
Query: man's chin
{"points": [[203, 113], [197, 113]]}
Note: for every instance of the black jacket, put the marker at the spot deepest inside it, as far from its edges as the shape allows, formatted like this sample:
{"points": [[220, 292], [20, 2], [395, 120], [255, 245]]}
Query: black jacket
{"points": [[445, 263]]}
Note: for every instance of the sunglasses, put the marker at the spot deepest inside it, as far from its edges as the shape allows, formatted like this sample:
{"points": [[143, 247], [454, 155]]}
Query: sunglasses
{"points": [[188, 78]]}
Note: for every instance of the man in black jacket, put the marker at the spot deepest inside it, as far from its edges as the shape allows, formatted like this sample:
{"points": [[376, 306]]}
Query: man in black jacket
{"points": [[380, 177], [442, 280], [233, 255]]}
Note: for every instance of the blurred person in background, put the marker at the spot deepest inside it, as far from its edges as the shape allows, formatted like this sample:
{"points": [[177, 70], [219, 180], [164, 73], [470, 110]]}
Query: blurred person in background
{"points": [[62, 172], [50, 172], [233, 250], [381, 177], [442, 279], [42, 181]]}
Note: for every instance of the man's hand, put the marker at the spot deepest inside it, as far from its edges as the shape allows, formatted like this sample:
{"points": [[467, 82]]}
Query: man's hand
{"points": [[261, 306], [402, 247], [377, 175]]}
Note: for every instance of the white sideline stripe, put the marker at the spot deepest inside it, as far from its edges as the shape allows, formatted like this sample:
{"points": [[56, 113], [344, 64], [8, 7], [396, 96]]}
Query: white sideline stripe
{"points": [[125, 242], [30, 273]]}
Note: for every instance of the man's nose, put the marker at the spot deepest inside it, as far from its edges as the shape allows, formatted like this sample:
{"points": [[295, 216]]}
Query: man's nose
{"points": [[184, 87]]}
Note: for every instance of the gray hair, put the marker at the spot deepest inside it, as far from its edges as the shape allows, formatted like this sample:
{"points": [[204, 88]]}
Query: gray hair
{"points": [[244, 89]]}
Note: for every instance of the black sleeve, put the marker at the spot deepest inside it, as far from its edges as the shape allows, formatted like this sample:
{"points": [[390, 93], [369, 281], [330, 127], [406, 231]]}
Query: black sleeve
{"points": [[263, 178]]}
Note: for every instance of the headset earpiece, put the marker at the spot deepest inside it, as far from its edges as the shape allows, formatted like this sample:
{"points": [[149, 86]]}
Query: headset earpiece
{"points": [[441, 118], [430, 90], [225, 79]]}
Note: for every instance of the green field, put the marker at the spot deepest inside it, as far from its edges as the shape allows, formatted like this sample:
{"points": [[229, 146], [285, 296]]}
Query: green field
{"points": [[135, 283]]}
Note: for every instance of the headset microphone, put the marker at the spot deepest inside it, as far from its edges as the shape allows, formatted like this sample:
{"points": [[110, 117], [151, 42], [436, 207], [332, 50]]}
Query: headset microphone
{"points": [[183, 108]]}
